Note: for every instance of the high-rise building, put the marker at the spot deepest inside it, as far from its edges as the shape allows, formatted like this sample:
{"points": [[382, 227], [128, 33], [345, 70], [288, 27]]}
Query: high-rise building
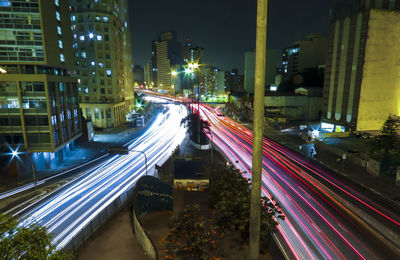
{"points": [[270, 69], [39, 110], [361, 79], [304, 55], [103, 59], [138, 75], [234, 82], [192, 54], [207, 81], [166, 54]]}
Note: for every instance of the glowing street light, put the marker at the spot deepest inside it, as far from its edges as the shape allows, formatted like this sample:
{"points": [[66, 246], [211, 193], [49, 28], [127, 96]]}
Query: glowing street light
{"points": [[174, 73], [14, 153], [2, 70], [193, 65], [188, 70]]}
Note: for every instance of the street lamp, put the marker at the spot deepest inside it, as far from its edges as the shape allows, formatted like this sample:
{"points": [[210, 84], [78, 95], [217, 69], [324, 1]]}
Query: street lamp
{"points": [[145, 157]]}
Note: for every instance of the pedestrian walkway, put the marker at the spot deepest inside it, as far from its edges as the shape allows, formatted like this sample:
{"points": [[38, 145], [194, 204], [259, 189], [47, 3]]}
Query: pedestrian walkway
{"points": [[114, 241]]}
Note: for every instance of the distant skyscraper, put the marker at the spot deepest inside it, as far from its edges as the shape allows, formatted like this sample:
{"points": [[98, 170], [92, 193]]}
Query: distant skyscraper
{"points": [[138, 74], [166, 53], [104, 60], [361, 80], [304, 55], [270, 70], [234, 82], [192, 54], [38, 97]]}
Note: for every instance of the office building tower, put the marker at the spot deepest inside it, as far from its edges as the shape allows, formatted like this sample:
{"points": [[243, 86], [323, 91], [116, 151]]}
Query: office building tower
{"points": [[270, 70], [165, 56], [361, 80], [103, 60], [304, 55], [39, 110]]}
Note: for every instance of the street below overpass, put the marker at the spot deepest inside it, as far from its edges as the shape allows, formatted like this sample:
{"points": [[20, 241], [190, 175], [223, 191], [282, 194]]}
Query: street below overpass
{"points": [[321, 220]]}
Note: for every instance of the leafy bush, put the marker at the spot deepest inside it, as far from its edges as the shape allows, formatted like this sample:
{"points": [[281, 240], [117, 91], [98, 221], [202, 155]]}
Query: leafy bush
{"points": [[191, 236]]}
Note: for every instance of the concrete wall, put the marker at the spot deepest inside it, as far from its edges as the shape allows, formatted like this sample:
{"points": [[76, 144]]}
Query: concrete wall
{"points": [[143, 239], [297, 107], [380, 89]]}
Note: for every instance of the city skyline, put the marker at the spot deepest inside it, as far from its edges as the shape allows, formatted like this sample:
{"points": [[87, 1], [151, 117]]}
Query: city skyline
{"points": [[225, 35]]}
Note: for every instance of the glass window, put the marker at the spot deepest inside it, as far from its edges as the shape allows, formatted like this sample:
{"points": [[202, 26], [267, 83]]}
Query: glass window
{"points": [[92, 63], [96, 112], [58, 16], [59, 30], [108, 72], [73, 18], [105, 19], [83, 54], [82, 37], [99, 37], [60, 44], [62, 58], [86, 91], [57, 2]]}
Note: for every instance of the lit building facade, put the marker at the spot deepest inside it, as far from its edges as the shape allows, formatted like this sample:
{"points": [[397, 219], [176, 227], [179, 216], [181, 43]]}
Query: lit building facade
{"points": [[39, 111], [165, 57], [362, 74], [103, 59]]}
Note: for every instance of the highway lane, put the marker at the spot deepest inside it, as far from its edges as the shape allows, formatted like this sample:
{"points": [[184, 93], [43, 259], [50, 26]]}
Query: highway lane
{"points": [[318, 224], [71, 208]]}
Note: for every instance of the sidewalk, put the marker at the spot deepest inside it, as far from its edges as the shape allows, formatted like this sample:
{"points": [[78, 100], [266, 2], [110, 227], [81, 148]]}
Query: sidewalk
{"points": [[114, 241]]}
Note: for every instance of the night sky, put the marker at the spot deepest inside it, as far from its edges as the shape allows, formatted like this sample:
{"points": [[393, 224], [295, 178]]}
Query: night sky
{"points": [[225, 28]]}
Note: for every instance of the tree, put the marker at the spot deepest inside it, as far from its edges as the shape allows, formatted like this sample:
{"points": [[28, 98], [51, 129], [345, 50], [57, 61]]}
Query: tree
{"points": [[27, 242], [191, 236], [229, 195], [191, 122], [387, 141]]}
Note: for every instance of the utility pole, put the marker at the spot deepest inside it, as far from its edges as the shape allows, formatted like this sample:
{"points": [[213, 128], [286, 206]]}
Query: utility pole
{"points": [[259, 90]]}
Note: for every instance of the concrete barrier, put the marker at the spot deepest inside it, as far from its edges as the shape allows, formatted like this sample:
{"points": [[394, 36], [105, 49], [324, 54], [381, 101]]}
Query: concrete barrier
{"points": [[200, 147], [143, 239]]}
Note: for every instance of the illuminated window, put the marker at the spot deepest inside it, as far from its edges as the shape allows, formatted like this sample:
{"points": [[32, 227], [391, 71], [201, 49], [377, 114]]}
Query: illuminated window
{"points": [[86, 91], [101, 65], [59, 31], [108, 72], [91, 35], [105, 19], [82, 38], [92, 63], [73, 18], [62, 58], [60, 44], [83, 54], [58, 16], [75, 45], [5, 3], [99, 37], [57, 2], [97, 18]]}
